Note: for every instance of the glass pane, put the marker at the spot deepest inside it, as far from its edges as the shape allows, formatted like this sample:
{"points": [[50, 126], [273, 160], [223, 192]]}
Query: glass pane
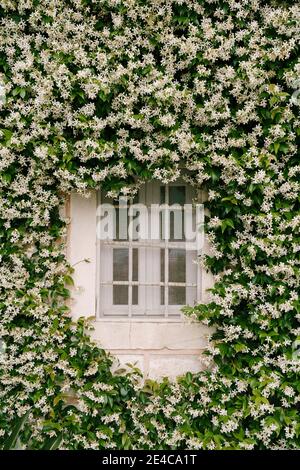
{"points": [[177, 296], [135, 226], [120, 264], [161, 225], [191, 296], [122, 220], [162, 194], [122, 216], [135, 295], [135, 264], [177, 265], [136, 198], [177, 195], [162, 265], [135, 275], [177, 224], [177, 273], [161, 214], [120, 295], [105, 199], [162, 295]]}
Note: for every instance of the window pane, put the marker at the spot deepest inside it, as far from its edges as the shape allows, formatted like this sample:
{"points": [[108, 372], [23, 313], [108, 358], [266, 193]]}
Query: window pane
{"points": [[135, 295], [176, 265], [135, 275], [177, 273], [162, 276], [122, 216], [162, 295], [120, 295], [161, 214], [122, 219], [191, 295], [162, 265], [177, 195], [177, 224], [135, 264], [177, 296], [120, 264], [162, 194]]}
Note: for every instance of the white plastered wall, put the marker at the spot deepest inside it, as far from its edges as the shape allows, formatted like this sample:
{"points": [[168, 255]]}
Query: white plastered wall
{"points": [[158, 347]]}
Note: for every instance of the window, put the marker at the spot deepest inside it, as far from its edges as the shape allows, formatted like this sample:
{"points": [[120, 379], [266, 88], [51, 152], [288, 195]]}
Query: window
{"points": [[134, 289], [146, 264]]}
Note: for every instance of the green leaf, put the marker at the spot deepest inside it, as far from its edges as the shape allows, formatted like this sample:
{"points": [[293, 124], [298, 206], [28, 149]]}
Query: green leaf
{"points": [[231, 199], [239, 347], [138, 116], [123, 391], [53, 443], [126, 443], [11, 441], [57, 399], [276, 146], [69, 280], [226, 223]]}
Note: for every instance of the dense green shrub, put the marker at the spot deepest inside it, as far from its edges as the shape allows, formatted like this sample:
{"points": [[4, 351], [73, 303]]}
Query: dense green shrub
{"points": [[115, 92]]}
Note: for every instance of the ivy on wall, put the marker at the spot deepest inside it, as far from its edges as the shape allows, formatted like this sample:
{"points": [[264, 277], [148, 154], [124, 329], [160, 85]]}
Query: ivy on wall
{"points": [[115, 92]]}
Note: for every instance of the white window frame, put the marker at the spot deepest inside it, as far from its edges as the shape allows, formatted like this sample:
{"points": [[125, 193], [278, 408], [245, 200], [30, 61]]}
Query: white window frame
{"points": [[105, 310]]}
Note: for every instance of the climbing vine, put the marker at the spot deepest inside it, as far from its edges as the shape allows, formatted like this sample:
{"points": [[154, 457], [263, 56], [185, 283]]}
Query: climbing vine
{"points": [[114, 93]]}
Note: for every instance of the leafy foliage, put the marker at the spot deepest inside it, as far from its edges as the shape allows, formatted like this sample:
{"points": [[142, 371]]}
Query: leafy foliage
{"points": [[116, 93]]}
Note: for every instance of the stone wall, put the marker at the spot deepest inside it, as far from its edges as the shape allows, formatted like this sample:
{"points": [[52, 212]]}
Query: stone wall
{"points": [[158, 348]]}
